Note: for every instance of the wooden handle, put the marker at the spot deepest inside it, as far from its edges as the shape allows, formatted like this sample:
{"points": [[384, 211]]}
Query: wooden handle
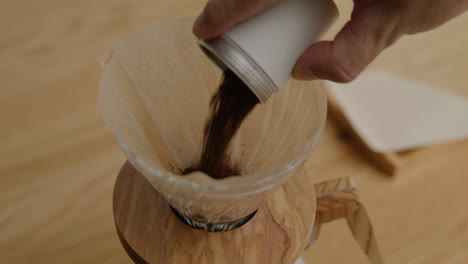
{"points": [[337, 199]]}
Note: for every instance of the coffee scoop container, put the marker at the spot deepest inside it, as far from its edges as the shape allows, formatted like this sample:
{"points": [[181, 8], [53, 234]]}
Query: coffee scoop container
{"points": [[263, 50]]}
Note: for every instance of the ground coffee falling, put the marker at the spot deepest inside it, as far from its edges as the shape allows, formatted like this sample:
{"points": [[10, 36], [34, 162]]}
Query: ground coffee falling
{"points": [[228, 108]]}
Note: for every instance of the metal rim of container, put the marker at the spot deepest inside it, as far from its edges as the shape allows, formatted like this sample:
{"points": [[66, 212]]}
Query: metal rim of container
{"points": [[226, 54]]}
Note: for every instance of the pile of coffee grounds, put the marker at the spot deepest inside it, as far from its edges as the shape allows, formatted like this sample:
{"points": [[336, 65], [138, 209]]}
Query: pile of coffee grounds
{"points": [[229, 106]]}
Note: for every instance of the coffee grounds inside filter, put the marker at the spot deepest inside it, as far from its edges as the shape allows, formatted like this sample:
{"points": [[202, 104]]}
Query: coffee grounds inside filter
{"points": [[229, 106]]}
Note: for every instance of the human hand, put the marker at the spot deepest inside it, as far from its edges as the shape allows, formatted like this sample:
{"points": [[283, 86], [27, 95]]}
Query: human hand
{"points": [[374, 26]]}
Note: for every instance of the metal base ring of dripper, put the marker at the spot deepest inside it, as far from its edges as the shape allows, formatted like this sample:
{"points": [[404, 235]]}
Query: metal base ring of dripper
{"points": [[213, 227]]}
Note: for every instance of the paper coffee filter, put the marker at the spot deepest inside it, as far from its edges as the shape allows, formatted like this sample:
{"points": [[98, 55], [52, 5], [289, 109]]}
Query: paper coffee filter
{"points": [[154, 95]]}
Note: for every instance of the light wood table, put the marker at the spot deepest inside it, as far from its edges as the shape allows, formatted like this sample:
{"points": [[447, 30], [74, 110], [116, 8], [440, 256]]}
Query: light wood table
{"points": [[58, 162]]}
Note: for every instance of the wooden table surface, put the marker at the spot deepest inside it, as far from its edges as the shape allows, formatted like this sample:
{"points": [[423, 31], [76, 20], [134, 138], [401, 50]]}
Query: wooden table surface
{"points": [[58, 161]]}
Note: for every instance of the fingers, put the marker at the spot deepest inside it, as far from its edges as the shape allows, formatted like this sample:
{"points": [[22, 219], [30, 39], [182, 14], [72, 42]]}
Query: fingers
{"points": [[220, 15], [370, 30]]}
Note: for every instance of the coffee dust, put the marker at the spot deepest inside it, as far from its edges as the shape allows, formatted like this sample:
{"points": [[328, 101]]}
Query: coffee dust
{"points": [[229, 106]]}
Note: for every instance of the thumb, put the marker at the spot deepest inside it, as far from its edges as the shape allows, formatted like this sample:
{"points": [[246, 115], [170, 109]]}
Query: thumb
{"points": [[370, 30], [221, 15]]}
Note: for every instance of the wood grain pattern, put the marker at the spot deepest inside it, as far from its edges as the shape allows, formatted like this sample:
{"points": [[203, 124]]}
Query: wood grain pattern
{"points": [[151, 233], [58, 161]]}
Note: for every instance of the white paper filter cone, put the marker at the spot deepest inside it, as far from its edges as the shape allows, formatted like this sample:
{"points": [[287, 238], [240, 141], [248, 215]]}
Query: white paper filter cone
{"points": [[154, 95]]}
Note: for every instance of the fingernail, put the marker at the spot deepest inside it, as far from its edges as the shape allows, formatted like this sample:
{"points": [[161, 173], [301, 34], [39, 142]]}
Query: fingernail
{"points": [[303, 74]]}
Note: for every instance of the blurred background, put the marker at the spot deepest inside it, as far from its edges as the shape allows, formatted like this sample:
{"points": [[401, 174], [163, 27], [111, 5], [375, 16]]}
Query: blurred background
{"points": [[58, 161]]}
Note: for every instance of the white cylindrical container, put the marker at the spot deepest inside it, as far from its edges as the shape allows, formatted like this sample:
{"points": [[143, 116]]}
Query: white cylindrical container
{"points": [[262, 51]]}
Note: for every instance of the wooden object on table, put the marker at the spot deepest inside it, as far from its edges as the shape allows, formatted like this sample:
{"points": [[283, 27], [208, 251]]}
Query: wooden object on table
{"points": [[338, 199], [151, 233], [388, 162]]}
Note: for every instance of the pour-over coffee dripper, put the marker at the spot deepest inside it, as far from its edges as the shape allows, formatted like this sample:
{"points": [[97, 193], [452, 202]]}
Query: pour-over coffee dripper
{"points": [[154, 95], [155, 91]]}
